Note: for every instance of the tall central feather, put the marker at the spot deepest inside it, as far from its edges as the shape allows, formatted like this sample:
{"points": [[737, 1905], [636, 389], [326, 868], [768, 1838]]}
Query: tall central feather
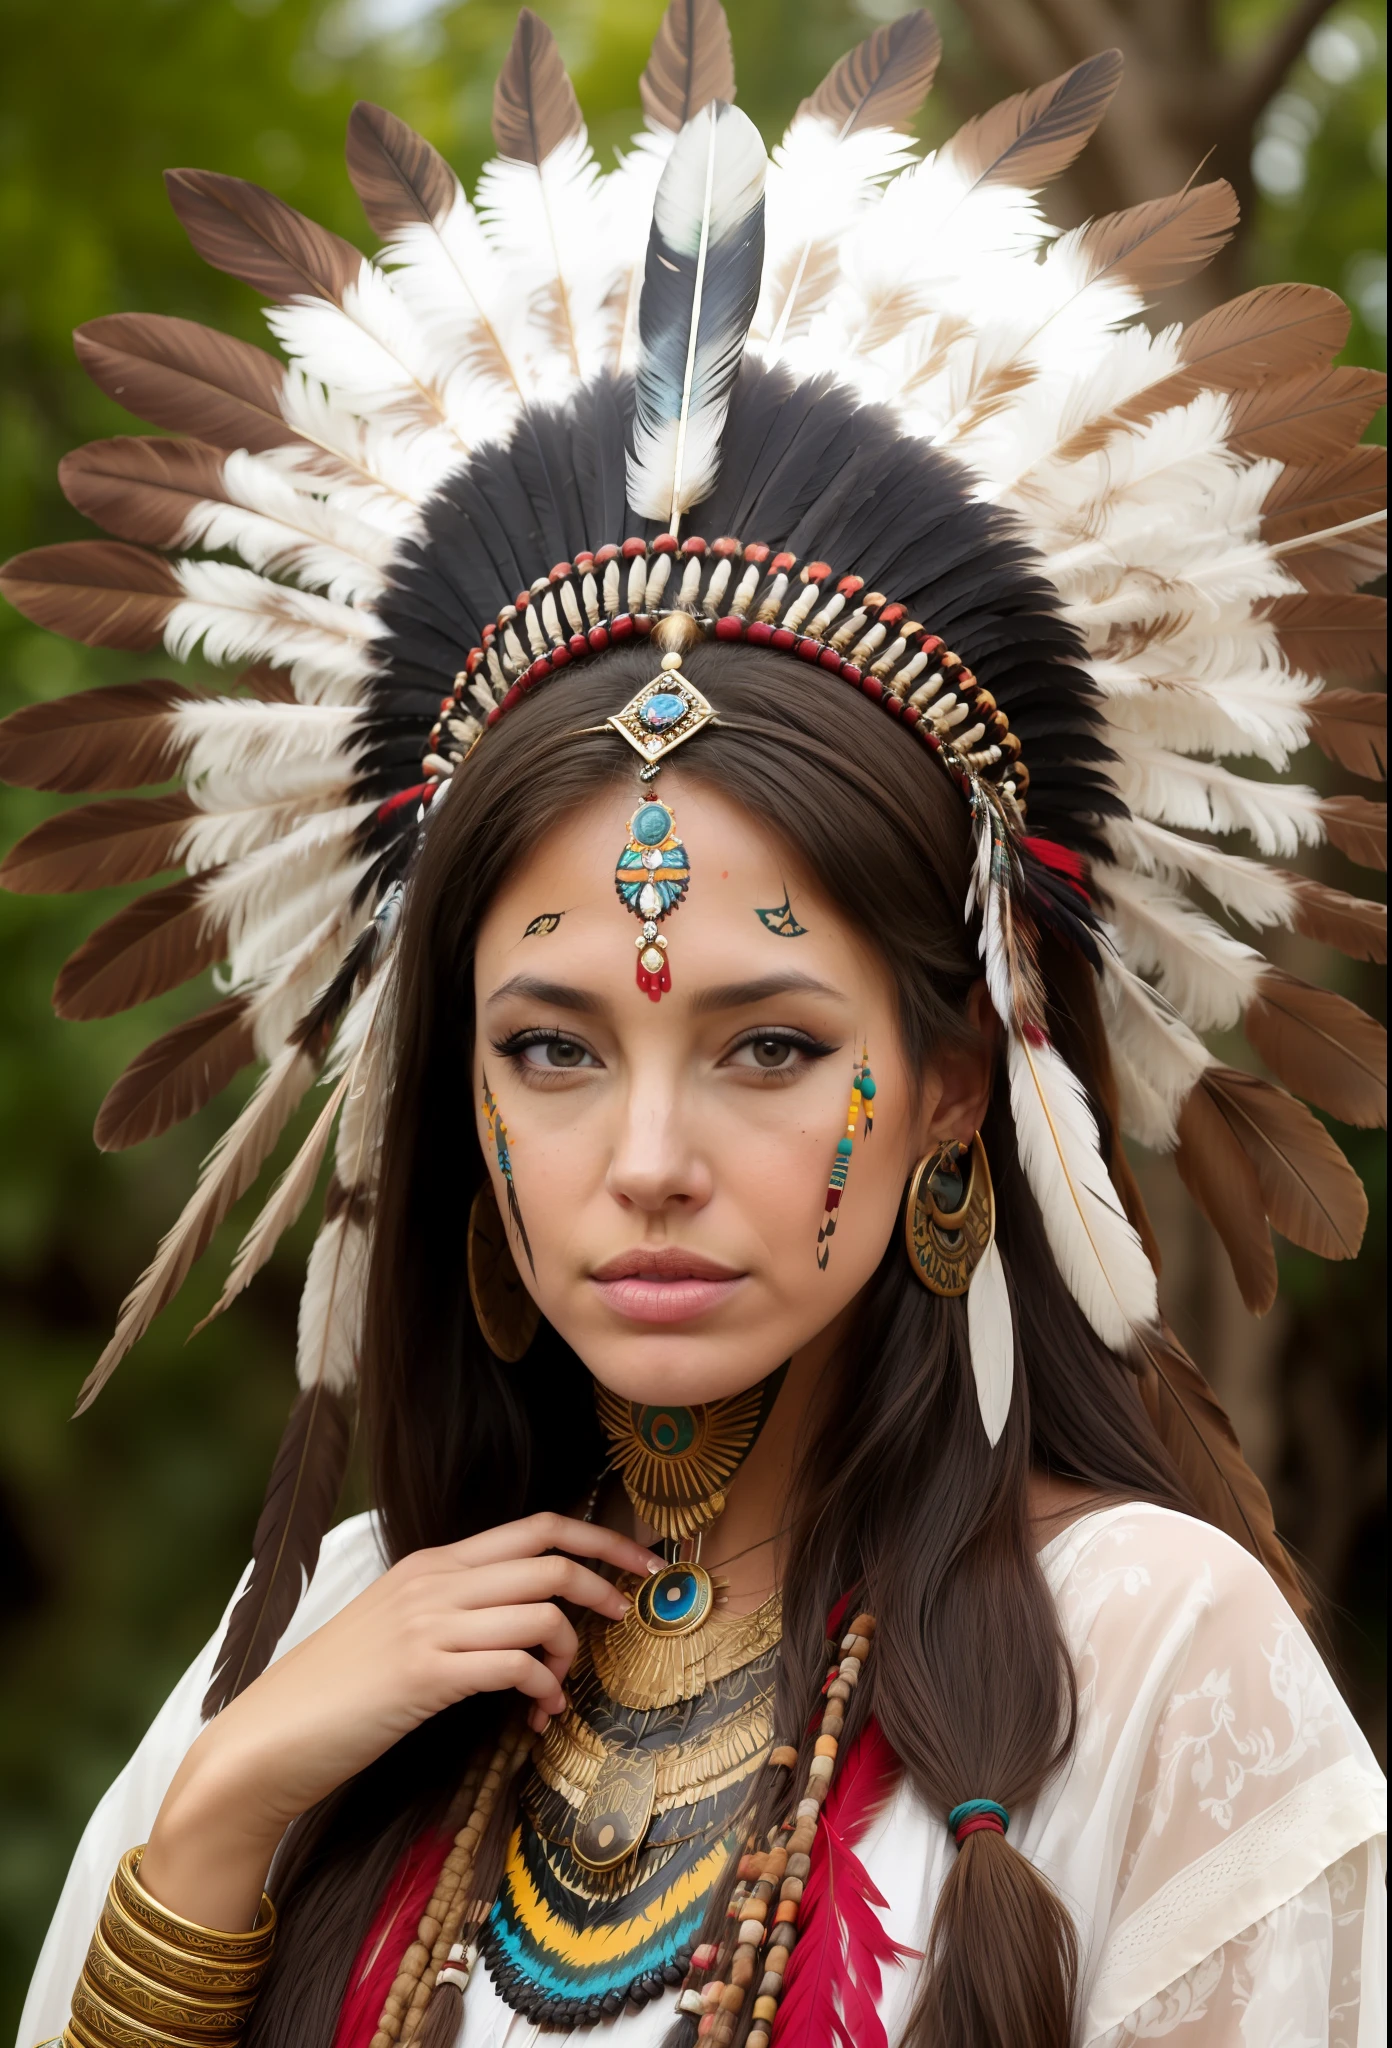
{"points": [[700, 288]]}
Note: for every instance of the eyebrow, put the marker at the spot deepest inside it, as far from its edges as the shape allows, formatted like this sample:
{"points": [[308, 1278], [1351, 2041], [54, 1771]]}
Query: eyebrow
{"points": [[732, 995]]}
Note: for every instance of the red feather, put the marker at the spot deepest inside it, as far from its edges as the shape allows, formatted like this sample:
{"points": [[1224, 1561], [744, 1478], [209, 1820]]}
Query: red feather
{"points": [[831, 1989]]}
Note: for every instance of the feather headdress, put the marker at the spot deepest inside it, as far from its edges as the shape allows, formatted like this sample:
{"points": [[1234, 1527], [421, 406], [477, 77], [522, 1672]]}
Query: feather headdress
{"points": [[854, 403]]}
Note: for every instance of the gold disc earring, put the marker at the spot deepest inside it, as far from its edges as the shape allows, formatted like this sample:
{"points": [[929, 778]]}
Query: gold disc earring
{"points": [[950, 1216], [506, 1313]]}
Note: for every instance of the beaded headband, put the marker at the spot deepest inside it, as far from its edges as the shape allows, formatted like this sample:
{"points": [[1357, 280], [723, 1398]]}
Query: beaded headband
{"points": [[734, 593]]}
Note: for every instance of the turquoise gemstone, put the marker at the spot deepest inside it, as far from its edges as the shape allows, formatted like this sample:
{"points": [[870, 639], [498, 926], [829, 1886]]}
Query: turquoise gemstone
{"points": [[867, 1088], [844, 1148], [663, 710], [651, 824]]}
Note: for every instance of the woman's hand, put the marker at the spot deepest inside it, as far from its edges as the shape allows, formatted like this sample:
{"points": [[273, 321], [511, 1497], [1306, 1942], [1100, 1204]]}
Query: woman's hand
{"points": [[484, 1615]]}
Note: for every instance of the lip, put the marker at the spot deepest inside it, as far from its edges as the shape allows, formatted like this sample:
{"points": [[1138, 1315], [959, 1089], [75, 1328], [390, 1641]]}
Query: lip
{"points": [[664, 1284]]}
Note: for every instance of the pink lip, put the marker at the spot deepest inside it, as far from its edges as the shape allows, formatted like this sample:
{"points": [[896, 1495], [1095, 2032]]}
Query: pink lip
{"points": [[663, 1284]]}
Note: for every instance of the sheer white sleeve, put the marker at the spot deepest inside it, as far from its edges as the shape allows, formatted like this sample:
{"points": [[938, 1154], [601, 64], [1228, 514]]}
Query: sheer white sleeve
{"points": [[349, 1561], [1239, 1900]]}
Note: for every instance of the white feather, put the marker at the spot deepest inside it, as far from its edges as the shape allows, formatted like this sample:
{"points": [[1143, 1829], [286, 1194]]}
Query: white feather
{"points": [[242, 752], [1248, 889], [1203, 796], [1207, 974], [991, 1337], [331, 1306], [1097, 1251], [235, 615], [277, 527], [1156, 1059]]}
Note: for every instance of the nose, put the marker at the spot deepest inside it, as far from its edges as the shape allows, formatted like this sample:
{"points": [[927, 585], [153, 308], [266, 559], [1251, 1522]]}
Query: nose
{"points": [[658, 1163]]}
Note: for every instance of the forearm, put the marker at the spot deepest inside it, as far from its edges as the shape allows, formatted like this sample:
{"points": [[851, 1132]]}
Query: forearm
{"points": [[212, 1841]]}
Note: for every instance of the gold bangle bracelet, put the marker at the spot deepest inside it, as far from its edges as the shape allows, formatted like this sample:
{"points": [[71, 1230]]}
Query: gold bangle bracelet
{"points": [[145, 1998], [212, 1943], [103, 2025], [174, 1967]]}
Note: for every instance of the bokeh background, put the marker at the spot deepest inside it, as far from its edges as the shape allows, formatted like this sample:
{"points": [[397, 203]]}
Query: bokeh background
{"points": [[121, 1535]]}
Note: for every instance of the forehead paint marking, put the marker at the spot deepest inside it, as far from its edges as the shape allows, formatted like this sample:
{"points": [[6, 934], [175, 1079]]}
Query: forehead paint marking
{"points": [[781, 921], [546, 922]]}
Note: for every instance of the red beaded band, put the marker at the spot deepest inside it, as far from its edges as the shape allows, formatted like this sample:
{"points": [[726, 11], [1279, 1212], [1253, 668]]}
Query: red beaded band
{"points": [[975, 1825], [732, 592]]}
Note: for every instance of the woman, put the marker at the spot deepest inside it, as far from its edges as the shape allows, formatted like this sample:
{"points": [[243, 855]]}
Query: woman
{"points": [[808, 1596]]}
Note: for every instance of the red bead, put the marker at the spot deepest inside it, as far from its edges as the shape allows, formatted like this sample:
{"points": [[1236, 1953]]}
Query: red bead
{"points": [[808, 650], [642, 625], [523, 599], [490, 634], [621, 628], [782, 563], [912, 714], [850, 672], [560, 571], [849, 585], [559, 656], [891, 614], [693, 545], [931, 739], [584, 561], [633, 548], [726, 546], [816, 572], [893, 705], [756, 552], [578, 644], [872, 687], [605, 555], [494, 715], [666, 544], [829, 658], [472, 660], [598, 637], [930, 643], [759, 633], [729, 629], [782, 639]]}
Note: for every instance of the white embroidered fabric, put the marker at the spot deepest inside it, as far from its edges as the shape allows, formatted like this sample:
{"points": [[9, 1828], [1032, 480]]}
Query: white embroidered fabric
{"points": [[1218, 1833]]}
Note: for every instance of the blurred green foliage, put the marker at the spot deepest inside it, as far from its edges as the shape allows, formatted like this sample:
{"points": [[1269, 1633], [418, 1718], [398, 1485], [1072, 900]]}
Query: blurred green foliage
{"points": [[122, 1534]]}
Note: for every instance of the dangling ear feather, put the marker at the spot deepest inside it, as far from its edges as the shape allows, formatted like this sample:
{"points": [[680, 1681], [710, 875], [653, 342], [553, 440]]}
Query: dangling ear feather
{"points": [[991, 1339], [700, 288]]}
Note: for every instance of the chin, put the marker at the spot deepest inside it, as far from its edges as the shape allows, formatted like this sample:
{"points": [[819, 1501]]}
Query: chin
{"points": [[683, 1368]]}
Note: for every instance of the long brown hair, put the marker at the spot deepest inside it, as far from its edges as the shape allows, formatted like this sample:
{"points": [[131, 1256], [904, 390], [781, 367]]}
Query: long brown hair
{"points": [[899, 1497]]}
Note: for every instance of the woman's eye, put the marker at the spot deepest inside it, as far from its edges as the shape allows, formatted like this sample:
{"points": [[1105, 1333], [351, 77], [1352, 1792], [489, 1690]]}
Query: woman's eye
{"points": [[771, 1052], [553, 1053]]}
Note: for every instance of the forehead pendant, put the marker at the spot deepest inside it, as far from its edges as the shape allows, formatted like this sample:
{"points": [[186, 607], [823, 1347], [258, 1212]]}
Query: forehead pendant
{"points": [[653, 872]]}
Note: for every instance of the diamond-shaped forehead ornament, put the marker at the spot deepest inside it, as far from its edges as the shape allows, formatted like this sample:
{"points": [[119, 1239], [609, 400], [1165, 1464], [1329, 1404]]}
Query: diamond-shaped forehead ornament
{"points": [[666, 711]]}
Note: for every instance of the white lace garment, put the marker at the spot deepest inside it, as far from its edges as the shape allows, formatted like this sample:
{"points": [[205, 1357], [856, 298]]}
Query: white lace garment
{"points": [[1218, 1833]]}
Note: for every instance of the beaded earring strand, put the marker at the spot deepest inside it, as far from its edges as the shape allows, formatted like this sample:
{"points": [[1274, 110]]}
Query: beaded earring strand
{"points": [[718, 2002]]}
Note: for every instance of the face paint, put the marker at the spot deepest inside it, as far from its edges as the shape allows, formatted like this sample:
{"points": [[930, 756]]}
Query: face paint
{"points": [[540, 926], [781, 922]]}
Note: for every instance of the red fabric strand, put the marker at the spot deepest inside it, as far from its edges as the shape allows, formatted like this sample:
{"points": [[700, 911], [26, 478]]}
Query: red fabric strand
{"points": [[374, 1968], [832, 1986]]}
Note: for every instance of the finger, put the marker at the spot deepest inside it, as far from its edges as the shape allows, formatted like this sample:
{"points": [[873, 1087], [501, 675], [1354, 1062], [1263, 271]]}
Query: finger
{"points": [[510, 1671], [540, 1533], [532, 1627], [521, 1579]]}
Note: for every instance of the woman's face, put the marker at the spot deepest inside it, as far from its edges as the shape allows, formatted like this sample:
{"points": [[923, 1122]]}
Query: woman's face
{"points": [[670, 1159]]}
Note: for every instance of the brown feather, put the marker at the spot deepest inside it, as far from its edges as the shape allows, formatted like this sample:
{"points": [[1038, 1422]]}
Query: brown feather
{"points": [[534, 103], [246, 231], [142, 487], [691, 64], [1321, 1046], [1197, 1432], [1306, 419], [1343, 636], [1358, 827], [1032, 137], [1223, 1183], [1311, 1193], [96, 846], [114, 738], [156, 943], [1339, 568], [1351, 727], [396, 174], [188, 378], [271, 685], [1307, 498], [884, 80], [1333, 918], [98, 591], [227, 1173], [177, 1075], [1162, 241], [305, 1483]]}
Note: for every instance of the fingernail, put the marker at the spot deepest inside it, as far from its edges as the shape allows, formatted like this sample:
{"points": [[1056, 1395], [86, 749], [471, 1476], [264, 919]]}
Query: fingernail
{"points": [[654, 1564]]}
